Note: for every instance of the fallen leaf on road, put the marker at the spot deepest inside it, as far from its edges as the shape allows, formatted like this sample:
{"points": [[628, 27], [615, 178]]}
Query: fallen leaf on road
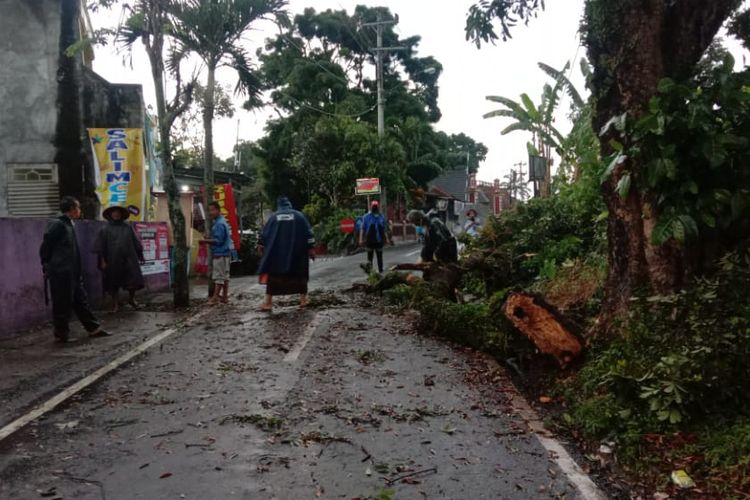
{"points": [[165, 475], [67, 425], [47, 493]]}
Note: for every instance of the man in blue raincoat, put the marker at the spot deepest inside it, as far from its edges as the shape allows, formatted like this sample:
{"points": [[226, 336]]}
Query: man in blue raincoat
{"points": [[287, 244]]}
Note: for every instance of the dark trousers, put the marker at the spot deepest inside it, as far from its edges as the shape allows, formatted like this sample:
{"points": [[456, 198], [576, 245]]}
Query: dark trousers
{"points": [[370, 253], [68, 295]]}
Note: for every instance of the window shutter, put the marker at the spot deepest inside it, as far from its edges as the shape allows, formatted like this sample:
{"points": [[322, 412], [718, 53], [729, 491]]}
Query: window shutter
{"points": [[33, 189]]}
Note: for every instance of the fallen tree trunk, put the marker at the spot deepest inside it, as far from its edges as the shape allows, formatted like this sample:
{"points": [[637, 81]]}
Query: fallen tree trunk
{"points": [[541, 323], [447, 277]]}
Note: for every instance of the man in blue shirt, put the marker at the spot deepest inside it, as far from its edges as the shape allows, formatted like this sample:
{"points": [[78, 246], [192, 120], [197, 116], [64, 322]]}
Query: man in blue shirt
{"points": [[221, 251], [373, 235]]}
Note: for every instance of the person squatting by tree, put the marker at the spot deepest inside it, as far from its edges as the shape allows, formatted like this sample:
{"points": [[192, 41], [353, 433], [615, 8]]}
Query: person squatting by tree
{"points": [[439, 243]]}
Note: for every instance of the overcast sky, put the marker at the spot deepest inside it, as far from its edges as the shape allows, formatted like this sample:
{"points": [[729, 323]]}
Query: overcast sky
{"points": [[508, 69]]}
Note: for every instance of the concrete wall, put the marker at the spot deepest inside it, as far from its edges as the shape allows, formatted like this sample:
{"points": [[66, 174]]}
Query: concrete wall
{"points": [[29, 55], [48, 99], [21, 287]]}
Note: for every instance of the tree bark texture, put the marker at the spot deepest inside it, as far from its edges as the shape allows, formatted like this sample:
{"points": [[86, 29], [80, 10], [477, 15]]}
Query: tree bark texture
{"points": [[154, 48], [633, 45], [70, 131]]}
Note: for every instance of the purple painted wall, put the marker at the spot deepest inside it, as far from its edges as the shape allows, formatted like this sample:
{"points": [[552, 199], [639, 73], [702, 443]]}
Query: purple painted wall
{"points": [[21, 283]]}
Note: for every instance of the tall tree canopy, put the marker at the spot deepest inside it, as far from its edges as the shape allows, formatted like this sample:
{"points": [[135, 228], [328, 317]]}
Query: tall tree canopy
{"points": [[635, 46], [319, 76]]}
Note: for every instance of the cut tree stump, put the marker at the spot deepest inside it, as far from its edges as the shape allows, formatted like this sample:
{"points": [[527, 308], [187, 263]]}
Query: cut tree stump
{"points": [[541, 323]]}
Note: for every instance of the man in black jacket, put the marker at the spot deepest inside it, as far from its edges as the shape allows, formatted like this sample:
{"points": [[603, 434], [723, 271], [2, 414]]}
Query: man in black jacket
{"points": [[439, 244], [61, 262]]}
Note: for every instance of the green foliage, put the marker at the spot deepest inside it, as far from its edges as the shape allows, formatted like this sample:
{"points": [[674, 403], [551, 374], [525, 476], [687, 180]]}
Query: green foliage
{"points": [[532, 240], [316, 71], [695, 143], [728, 445], [476, 325], [684, 361], [480, 22], [328, 231], [248, 254]]}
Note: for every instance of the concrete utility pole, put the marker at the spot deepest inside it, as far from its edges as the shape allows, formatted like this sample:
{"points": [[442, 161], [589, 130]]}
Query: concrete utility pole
{"points": [[379, 76], [516, 180], [379, 51]]}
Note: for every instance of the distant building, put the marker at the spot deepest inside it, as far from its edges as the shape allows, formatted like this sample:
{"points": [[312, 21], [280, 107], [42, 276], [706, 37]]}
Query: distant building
{"points": [[47, 100], [456, 191]]}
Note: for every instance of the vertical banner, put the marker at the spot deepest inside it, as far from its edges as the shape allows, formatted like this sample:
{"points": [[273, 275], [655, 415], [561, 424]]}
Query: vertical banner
{"points": [[119, 163], [224, 195]]}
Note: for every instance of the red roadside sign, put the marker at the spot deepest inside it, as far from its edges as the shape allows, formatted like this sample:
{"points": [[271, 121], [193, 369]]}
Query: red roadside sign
{"points": [[368, 186], [347, 225]]}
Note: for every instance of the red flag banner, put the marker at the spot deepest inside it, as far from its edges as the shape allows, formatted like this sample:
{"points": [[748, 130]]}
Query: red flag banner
{"points": [[224, 195]]}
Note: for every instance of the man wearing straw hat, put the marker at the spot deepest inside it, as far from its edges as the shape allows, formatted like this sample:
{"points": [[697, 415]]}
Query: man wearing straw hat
{"points": [[120, 255]]}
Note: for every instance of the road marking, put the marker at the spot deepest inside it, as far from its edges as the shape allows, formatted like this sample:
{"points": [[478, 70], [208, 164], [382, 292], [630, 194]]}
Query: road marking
{"points": [[586, 487], [59, 398], [557, 452], [415, 252], [307, 335]]}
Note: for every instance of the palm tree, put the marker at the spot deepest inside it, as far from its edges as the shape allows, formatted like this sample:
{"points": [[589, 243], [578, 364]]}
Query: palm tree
{"points": [[213, 30], [149, 22]]}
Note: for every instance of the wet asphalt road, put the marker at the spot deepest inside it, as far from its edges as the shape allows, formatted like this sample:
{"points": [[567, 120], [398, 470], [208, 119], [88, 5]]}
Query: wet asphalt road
{"points": [[340, 400]]}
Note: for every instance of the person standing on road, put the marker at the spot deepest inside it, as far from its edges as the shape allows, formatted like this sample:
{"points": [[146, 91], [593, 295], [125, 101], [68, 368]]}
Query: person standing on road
{"points": [[61, 264], [287, 244], [120, 254], [373, 235], [221, 251], [439, 243]]}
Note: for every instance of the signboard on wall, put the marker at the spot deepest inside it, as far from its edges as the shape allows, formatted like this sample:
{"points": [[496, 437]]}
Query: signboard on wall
{"points": [[119, 164], [154, 236]]}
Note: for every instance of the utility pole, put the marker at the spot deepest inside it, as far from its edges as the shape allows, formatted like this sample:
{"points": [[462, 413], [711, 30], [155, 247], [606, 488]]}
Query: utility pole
{"points": [[379, 52], [237, 152], [379, 76], [516, 181]]}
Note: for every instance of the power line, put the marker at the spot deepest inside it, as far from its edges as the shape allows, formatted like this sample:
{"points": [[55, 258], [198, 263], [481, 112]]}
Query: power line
{"points": [[324, 112], [315, 61]]}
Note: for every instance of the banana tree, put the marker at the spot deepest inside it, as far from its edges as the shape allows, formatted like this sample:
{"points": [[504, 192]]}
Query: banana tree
{"points": [[539, 119]]}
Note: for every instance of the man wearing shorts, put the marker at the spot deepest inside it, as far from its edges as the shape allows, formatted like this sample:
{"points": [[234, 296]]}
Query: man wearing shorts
{"points": [[221, 251]]}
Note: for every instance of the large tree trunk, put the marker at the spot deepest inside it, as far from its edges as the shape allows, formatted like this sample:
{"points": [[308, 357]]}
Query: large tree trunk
{"points": [[655, 39], [181, 285]]}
